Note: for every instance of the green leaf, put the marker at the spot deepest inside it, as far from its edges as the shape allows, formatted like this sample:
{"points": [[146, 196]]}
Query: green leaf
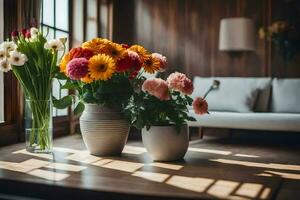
{"points": [[79, 108], [63, 102], [61, 76], [70, 85]]}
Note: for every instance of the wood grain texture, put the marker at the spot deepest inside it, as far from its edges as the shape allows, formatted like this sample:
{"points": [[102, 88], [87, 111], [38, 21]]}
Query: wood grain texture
{"points": [[213, 168], [187, 32]]}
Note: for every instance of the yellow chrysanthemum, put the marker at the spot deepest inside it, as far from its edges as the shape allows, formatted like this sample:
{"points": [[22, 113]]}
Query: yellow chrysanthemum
{"points": [[87, 79], [63, 63], [116, 51], [101, 67], [96, 45], [141, 51], [151, 64]]}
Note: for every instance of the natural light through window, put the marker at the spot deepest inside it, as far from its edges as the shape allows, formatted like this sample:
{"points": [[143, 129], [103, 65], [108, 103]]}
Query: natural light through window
{"points": [[55, 22], [1, 73]]}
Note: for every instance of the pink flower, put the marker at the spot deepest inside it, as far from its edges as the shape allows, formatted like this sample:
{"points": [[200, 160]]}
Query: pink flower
{"points": [[77, 68], [163, 61], [179, 82], [200, 106], [157, 87]]}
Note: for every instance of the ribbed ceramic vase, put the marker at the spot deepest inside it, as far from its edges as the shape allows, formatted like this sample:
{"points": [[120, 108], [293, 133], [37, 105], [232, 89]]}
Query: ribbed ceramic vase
{"points": [[104, 130], [164, 143]]}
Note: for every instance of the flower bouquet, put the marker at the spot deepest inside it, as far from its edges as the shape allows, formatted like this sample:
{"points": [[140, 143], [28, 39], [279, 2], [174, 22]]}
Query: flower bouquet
{"points": [[33, 61], [104, 74], [161, 111]]}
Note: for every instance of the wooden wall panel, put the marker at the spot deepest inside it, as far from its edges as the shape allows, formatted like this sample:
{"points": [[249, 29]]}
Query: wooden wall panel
{"points": [[187, 32]]}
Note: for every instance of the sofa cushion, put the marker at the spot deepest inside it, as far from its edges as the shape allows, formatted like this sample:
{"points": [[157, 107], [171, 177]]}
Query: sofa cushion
{"points": [[254, 121], [235, 94], [285, 95]]}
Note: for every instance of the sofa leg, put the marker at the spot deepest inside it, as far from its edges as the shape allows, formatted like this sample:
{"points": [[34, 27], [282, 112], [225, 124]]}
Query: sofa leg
{"points": [[200, 132]]}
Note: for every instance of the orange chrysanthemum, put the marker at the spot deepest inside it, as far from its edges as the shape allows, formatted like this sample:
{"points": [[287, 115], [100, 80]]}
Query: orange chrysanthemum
{"points": [[141, 51], [101, 67], [96, 45], [151, 64], [63, 63], [87, 79], [116, 51]]}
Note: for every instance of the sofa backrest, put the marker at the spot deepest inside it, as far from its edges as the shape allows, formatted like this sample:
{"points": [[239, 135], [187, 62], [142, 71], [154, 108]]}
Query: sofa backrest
{"points": [[235, 94], [285, 96]]}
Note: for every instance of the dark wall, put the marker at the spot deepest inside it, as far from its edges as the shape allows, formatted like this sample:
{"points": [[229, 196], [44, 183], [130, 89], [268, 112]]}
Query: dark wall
{"points": [[187, 32]]}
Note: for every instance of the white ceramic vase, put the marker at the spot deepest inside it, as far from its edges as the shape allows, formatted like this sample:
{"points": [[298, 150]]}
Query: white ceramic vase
{"points": [[164, 143], [104, 130]]}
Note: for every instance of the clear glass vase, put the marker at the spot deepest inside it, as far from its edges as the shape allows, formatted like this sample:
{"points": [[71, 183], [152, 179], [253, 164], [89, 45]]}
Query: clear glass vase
{"points": [[38, 126]]}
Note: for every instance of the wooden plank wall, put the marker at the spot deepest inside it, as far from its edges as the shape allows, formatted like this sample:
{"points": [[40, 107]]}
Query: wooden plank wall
{"points": [[187, 32]]}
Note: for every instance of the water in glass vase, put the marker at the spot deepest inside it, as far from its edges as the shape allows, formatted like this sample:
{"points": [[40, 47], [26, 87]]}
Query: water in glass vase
{"points": [[38, 126]]}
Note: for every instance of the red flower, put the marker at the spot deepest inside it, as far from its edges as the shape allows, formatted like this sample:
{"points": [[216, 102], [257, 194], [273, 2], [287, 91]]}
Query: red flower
{"points": [[14, 34], [200, 106], [81, 53], [131, 63], [24, 31], [126, 46], [28, 34]]}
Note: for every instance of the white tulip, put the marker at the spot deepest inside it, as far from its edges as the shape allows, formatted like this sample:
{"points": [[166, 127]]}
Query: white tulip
{"points": [[55, 45], [34, 32], [8, 46], [17, 58], [5, 65]]}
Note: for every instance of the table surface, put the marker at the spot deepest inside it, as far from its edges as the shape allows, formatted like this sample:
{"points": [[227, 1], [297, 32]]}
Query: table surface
{"points": [[206, 172]]}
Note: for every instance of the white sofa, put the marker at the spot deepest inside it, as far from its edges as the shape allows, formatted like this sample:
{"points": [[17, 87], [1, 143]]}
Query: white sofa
{"points": [[250, 103]]}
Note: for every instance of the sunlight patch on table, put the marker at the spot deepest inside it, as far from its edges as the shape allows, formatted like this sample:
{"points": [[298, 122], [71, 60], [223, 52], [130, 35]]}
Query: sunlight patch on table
{"points": [[285, 175], [190, 183], [66, 167], [40, 155], [152, 176], [201, 150], [166, 166], [101, 162], [66, 150], [123, 166], [24, 166], [83, 157], [249, 190], [246, 155], [134, 150], [49, 175], [222, 188], [260, 165]]}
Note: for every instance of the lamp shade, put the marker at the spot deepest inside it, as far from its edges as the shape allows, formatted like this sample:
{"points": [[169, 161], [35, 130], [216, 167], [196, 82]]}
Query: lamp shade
{"points": [[237, 34]]}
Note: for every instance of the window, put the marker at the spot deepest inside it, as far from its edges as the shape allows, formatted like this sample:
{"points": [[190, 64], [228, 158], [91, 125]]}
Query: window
{"points": [[1, 74], [1, 98], [55, 22]]}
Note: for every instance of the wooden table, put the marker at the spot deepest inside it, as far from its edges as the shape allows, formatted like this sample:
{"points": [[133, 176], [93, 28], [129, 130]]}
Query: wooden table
{"points": [[71, 173]]}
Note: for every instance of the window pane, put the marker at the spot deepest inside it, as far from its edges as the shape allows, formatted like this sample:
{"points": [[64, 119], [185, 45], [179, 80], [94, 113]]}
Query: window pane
{"points": [[78, 22], [1, 98], [48, 31], [1, 74], [91, 27], [62, 14], [60, 34], [103, 19], [57, 93], [48, 12]]}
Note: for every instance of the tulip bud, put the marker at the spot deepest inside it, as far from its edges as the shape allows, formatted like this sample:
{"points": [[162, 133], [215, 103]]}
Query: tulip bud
{"points": [[14, 34]]}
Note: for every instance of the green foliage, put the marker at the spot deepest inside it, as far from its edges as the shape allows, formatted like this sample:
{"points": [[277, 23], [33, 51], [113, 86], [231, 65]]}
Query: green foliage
{"points": [[79, 108], [145, 110], [113, 93], [63, 102]]}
